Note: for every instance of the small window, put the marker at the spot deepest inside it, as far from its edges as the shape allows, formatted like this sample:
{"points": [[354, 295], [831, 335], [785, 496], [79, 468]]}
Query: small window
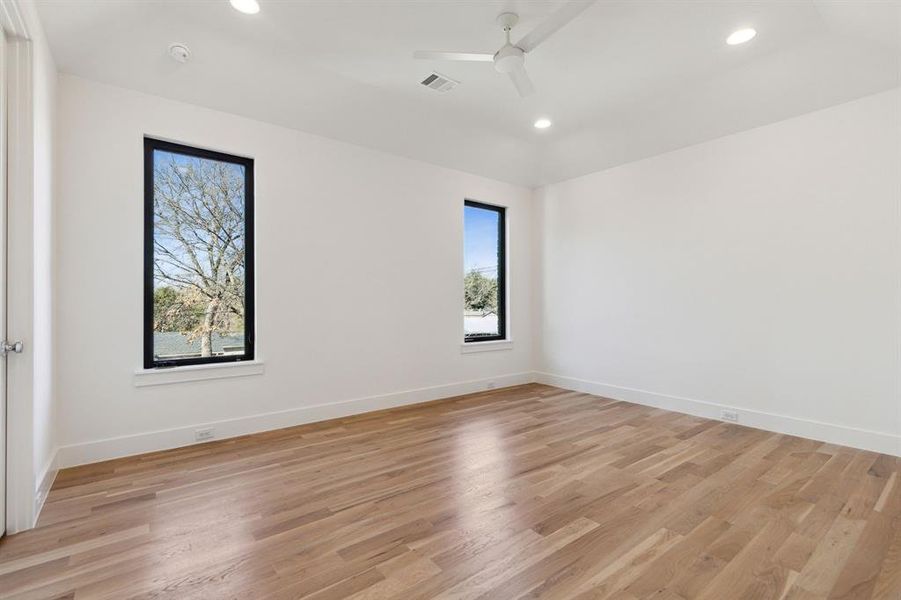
{"points": [[198, 256], [484, 272]]}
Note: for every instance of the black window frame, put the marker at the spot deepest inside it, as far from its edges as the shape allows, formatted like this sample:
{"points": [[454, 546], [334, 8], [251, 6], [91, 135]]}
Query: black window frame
{"points": [[501, 274], [150, 146]]}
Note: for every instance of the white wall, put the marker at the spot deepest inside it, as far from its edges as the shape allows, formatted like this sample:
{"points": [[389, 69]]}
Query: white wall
{"points": [[759, 271], [350, 242]]}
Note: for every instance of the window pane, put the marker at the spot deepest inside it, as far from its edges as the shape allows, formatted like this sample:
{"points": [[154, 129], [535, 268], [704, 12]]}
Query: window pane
{"points": [[199, 253], [483, 310]]}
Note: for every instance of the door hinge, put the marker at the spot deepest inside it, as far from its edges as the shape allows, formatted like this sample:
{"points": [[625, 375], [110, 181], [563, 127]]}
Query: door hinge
{"points": [[8, 347]]}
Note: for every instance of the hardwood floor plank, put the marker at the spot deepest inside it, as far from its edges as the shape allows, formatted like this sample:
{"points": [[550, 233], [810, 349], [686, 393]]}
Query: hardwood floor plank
{"points": [[524, 492]]}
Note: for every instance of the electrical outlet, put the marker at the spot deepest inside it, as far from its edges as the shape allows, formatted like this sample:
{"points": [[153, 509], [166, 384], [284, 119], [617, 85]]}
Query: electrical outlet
{"points": [[490, 385], [204, 434], [729, 415]]}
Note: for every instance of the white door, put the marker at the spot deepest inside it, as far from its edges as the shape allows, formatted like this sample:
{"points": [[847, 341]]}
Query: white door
{"points": [[3, 195]]}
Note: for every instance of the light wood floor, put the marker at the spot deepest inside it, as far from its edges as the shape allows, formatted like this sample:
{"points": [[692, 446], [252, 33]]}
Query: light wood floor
{"points": [[520, 493]]}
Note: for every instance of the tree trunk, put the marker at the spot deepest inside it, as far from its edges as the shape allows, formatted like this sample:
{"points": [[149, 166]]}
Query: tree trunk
{"points": [[206, 337]]}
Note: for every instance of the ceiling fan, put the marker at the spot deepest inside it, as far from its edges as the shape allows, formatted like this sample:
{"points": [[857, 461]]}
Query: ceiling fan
{"points": [[510, 59]]}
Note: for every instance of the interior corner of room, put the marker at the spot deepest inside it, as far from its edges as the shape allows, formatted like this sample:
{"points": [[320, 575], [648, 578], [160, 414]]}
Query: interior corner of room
{"points": [[667, 238]]}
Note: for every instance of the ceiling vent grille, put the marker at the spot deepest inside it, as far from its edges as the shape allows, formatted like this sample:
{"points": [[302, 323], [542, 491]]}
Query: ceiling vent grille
{"points": [[439, 83]]}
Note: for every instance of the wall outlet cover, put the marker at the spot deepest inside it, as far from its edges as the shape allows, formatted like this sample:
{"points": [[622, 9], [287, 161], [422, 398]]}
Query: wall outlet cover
{"points": [[207, 433], [729, 415]]}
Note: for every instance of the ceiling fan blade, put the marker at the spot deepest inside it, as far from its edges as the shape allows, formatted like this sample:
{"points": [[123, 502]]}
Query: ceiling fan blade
{"points": [[549, 26], [521, 81], [467, 56]]}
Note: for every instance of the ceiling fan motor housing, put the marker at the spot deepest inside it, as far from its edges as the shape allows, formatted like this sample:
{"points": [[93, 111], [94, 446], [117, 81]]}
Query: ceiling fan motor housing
{"points": [[509, 59]]}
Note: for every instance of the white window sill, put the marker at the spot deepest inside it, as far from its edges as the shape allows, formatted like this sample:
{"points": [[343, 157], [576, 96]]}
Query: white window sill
{"points": [[473, 347], [163, 376]]}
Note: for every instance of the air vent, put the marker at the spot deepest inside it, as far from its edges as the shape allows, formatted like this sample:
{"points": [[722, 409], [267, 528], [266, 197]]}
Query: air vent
{"points": [[439, 83]]}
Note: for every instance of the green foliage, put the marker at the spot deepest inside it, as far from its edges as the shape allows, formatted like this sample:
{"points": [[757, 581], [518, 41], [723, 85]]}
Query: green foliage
{"points": [[480, 293], [176, 310]]}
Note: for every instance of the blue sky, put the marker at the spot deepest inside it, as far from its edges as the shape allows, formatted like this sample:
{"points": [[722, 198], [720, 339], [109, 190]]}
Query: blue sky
{"points": [[480, 239]]}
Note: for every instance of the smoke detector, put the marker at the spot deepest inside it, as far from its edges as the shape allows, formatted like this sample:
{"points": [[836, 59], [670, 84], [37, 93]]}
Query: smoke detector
{"points": [[179, 52], [439, 82]]}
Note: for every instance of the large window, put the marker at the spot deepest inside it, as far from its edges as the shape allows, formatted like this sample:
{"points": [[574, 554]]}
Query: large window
{"points": [[484, 264], [198, 256]]}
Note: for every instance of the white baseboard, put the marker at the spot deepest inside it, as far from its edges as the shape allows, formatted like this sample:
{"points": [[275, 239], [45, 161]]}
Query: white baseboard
{"points": [[44, 482], [875, 441], [95, 451], [90, 452]]}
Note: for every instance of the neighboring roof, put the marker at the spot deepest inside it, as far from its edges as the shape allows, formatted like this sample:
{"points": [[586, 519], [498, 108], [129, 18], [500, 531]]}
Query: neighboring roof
{"points": [[166, 344]]}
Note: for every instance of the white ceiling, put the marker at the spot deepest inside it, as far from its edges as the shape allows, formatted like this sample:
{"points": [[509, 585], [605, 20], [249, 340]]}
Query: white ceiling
{"points": [[626, 80]]}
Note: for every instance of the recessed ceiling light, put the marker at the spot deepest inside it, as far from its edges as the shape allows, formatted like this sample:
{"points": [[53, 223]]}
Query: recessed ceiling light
{"points": [[741, 36], [542, 123], [248, 7]]}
